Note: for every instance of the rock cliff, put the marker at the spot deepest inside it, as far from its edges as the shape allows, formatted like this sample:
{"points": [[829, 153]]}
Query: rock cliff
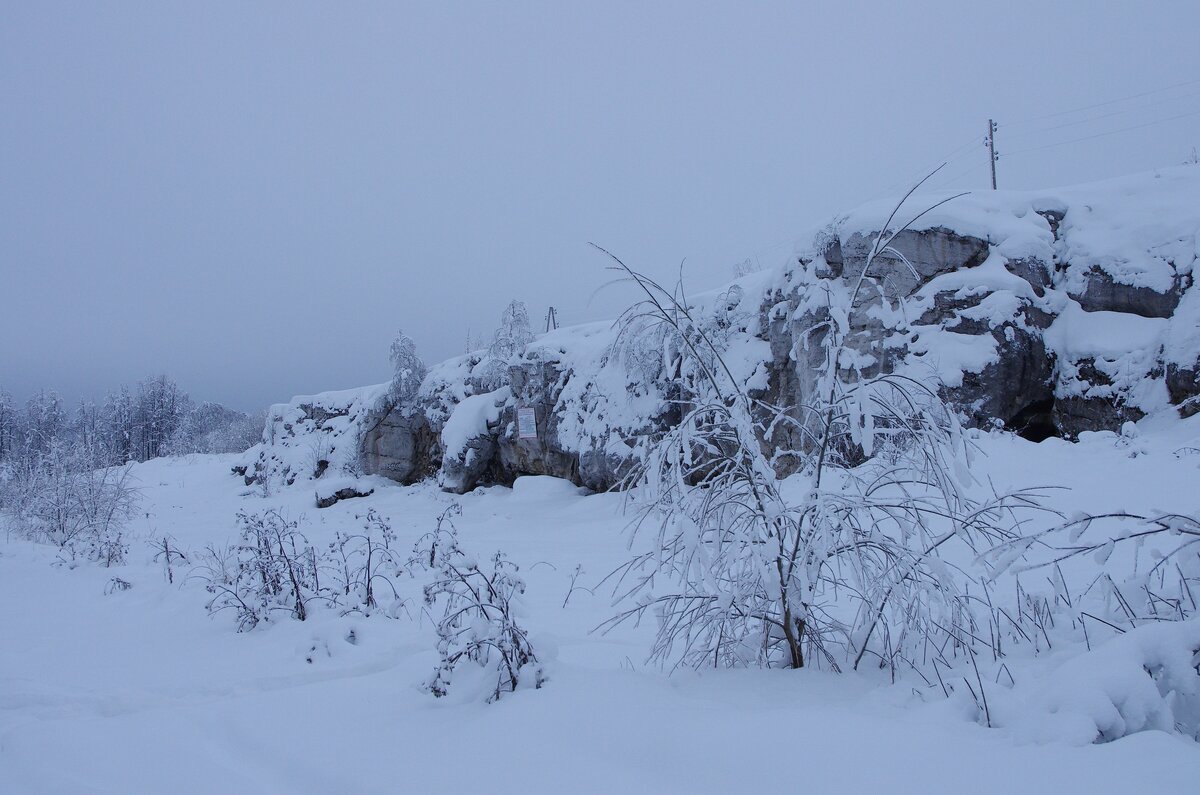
{"points": [[1047, 313]]}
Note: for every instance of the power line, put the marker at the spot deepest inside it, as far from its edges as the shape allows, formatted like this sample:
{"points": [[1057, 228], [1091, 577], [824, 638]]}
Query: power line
{"points": [[1104, 104], [951, 158], [1090, 119], [1102, 134], [941, 182], [975, 144]]}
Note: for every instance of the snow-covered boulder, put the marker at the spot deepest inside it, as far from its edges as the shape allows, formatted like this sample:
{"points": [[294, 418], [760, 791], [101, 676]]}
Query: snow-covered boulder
{"points": [[469, 440], [313, 434]]}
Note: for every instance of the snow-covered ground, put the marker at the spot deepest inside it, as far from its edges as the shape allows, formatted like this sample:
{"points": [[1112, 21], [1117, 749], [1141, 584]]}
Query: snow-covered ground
{"points": [[141, 691]]}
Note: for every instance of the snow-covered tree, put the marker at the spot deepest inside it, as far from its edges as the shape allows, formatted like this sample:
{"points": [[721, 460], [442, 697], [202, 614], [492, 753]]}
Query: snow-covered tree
{"points": [[8, 426], [212, 428], [841, 562], [513, 334], [117, 425], [509, 340], [474, 342], [45, 422], [159, 409], [408, 371]]}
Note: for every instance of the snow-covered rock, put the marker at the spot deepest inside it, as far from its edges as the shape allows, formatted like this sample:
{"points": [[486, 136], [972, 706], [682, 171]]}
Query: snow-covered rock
{"points": [[1050, 312], [314, 434]]}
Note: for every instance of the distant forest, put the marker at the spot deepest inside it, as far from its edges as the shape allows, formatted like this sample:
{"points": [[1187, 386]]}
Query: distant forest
{"points": [[154, 418]]}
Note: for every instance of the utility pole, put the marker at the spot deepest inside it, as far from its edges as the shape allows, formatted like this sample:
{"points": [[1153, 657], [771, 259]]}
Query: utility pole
{"points": [[551, 320], [991, 145]]}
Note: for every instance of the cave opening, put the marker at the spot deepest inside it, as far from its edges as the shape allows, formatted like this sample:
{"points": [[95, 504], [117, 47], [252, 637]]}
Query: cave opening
{"points": [[1035, 422]]}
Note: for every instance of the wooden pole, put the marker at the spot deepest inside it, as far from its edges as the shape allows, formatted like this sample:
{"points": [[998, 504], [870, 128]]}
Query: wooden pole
{"points": [[991, 144]]}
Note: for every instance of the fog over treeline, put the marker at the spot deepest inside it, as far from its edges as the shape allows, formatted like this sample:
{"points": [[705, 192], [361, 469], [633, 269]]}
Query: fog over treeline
{"points": [[149, 419]]}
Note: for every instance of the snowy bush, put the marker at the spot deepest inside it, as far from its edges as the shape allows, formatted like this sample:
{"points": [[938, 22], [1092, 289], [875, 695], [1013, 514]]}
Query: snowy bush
{"points": [[839, 562], [1157, 573], [274, 570], [364, 564], [478, 626], [68, 498]]}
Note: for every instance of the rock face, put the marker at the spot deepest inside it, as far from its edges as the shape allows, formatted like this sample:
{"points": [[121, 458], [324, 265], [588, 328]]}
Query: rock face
{"points": [[1101, 292], [1183, 385], [997, 319], [1049, 314], [398, 446], [537, 386]]}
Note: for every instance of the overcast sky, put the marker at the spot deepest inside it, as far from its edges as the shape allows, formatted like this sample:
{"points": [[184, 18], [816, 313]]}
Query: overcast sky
{"points": [[253, 198]]}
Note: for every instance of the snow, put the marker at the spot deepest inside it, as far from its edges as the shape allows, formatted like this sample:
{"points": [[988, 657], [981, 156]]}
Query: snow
{"points": [[1125, 348], [1183, 337], [1077, 333], [950, 355], [1141, 229], [470, 419], [1107, 691], [141, 691]]}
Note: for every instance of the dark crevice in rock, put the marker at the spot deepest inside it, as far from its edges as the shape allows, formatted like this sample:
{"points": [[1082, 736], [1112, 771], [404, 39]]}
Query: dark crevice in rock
{"points": [[1035, 422]]}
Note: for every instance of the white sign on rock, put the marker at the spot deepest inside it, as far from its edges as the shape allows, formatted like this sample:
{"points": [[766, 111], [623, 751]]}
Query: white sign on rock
{"points": [[526, 423]]}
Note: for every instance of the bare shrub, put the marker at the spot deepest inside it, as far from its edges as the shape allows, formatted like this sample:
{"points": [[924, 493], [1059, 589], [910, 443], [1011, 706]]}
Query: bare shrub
{"points": [[365, 562], [167, 552], [69, 499], [276, 570], [478, 625]]}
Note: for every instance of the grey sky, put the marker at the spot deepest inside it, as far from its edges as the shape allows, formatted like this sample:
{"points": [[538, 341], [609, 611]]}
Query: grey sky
{"points": [[253, 198]]}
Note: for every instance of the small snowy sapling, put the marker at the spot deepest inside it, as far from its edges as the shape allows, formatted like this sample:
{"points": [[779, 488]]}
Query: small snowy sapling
{"points": [[478, 626]]}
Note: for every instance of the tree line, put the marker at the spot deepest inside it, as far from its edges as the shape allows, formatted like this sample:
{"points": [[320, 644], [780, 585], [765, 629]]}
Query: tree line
{"points": [[153, 418]]}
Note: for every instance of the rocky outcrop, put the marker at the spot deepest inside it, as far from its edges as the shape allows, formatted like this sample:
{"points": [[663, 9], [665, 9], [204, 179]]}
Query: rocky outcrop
{"points": [[1048, 314], [475, 464], [312, 435], [538, 386], [331, 497], [938, 300], [930, 252], [399, 446]]}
